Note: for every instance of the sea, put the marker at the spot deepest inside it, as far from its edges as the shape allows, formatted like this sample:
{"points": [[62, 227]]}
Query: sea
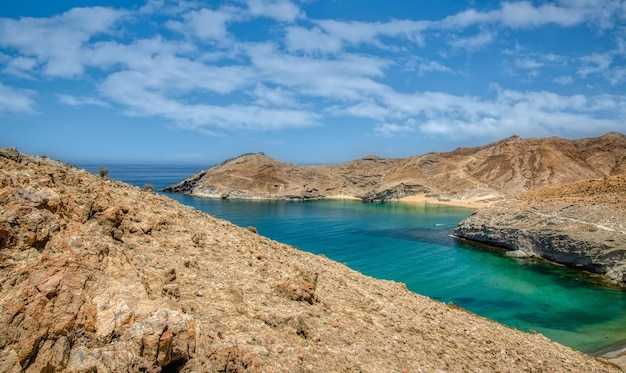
{"points": [[413, 244]]}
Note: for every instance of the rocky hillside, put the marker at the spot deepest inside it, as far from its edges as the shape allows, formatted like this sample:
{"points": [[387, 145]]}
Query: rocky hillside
{"points": [[97, 275], [580, 224], [486, 173]]}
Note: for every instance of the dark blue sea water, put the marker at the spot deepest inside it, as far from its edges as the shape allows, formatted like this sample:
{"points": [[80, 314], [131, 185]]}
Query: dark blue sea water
{"points": [[411, 243]]}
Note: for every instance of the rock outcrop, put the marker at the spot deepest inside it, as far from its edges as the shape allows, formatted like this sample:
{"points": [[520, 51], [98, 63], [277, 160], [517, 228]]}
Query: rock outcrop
{"points": [[487, 173], [580, 224], [100, 276]]}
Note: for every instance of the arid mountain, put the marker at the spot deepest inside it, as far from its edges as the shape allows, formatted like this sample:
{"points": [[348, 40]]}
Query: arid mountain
{"points": [[100, 276], [581, 224], [485, 173]]}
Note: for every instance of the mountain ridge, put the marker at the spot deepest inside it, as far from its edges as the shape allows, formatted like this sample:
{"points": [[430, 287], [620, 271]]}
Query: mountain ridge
{"points": [[485, 173]]}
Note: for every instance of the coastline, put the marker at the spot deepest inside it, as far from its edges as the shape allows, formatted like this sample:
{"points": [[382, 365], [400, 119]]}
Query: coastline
{"points": [[616, 355], [473, 203]]}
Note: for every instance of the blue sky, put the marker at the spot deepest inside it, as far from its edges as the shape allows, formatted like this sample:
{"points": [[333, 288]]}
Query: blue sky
{"points": [[309, 81]]}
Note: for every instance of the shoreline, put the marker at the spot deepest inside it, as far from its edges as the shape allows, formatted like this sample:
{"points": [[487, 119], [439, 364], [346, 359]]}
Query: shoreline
{"points": [[616, 355], [473, 203]]}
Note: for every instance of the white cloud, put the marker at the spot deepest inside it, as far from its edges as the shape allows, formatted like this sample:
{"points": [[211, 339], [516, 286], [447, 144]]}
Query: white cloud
{"points": [[168, 7], [529, 114], [280, 10], [528, 63], [140, 102], [423, 66], [159, 65], [430, 66], [394, 129], [525, 14], [17, 101], [475, 42], [465, 19], [595, 63], [211, 81], [276, 96], [311, 40], [20, 66], [81, 101], [206, 23], [348, 77], [139, 55], [618, 75], [57, 42], [354, 33], [369, 108]]}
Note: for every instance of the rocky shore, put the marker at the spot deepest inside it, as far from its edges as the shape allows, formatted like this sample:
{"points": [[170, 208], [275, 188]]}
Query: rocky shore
{"points": [[580, 224], [97, 275], [584, 233], [480, 175]]}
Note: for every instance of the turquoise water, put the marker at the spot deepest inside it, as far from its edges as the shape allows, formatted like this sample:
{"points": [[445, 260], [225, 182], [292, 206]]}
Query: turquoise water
{"points": [[411, 243]]}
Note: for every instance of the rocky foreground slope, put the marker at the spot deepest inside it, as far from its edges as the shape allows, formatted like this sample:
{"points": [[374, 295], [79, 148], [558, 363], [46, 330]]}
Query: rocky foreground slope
{"points": [[487, 173], [580, 224], [97, 275]]}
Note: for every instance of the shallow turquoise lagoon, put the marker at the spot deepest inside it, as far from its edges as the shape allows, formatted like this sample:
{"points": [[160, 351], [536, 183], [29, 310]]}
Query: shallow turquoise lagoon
{"points": [[413, 244]]}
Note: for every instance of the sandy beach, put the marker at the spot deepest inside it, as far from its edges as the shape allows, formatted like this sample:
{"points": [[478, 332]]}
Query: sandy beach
{"points": [[474, 203]]}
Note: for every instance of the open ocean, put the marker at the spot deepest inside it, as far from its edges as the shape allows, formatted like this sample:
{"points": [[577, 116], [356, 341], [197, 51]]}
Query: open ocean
{"points": [[411, 243]]}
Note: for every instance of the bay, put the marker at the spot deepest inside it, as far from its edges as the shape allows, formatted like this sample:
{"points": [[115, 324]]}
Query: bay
{"points": [[412, 243]]}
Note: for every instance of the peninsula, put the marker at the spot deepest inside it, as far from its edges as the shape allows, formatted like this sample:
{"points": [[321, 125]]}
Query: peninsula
{"points": [[466, 175], [572, 195]]}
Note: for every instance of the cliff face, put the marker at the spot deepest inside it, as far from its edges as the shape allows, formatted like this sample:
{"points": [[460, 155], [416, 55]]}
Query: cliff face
{"points": [[97, 275], [580, 224], [486, 173]]}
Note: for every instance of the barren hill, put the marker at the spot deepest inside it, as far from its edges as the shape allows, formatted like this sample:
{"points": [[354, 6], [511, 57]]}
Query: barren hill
{"points": [[581, 224], [97, 275], [485, 173]]}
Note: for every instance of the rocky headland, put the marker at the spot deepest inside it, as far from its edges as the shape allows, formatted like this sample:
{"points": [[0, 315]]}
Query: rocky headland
{"points": [[467, 175], [580, 224], [101, 276]]}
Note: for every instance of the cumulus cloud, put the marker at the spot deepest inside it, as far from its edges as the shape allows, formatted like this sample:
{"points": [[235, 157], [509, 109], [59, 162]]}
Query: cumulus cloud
{"points": [[394, 129], [280, 10], [57, 42], [16, 101], [200, 71], [525, 113], [312, 40], [206, 23]]}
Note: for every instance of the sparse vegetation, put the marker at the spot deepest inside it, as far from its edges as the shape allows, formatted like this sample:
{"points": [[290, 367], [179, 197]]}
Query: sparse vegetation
{"points": [[252, 229], [148, 187], [103, 171]]}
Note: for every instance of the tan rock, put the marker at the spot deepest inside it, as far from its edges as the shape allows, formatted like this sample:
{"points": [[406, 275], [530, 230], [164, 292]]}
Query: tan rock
{"points": [[580, 224], [77, 299], [480, 175]]}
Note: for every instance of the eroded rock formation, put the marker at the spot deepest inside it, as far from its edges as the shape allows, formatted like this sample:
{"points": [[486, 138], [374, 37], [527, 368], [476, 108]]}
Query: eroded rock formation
{"points": [[580, 224]]}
